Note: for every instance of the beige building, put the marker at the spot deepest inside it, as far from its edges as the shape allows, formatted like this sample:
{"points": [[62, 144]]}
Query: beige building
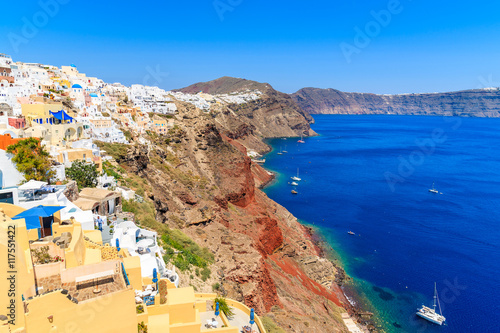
{"points": [[67, 155], [100, 201], [161, 125], [39, 113], [82, 285], [101, 122], [54, 134]]}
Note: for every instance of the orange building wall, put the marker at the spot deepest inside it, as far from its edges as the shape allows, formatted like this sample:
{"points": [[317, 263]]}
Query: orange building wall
{"points": [[6, 140]]}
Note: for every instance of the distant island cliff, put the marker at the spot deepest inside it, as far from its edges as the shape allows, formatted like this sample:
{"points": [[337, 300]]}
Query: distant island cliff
{"points": [[467, 103]]}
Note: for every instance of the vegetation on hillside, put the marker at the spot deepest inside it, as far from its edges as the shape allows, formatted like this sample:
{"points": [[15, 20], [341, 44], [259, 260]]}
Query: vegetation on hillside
{"points": [[188, 252], [32, 160], [116, 150], [270, 325], [85, 174], [181, 250]]}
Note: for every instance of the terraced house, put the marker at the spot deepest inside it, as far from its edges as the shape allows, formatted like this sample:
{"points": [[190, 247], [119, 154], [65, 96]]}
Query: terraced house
{"points": [[70, 281]]}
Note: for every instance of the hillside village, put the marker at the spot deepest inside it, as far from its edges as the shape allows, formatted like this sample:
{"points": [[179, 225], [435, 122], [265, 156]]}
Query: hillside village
{"points": [[154, 198], [87, 248], [68, 111]]}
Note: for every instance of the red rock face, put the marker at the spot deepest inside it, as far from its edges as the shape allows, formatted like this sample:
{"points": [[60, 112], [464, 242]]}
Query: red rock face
{"points": [[270, 235], [236, 178], [261, 176], [259, 247], [266, 295]]}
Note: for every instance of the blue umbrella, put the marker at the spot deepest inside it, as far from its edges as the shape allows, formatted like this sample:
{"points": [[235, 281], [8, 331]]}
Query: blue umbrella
{"points": [[32, 215], [252, 316], [155, 277], [117, 245], [216, 308]]}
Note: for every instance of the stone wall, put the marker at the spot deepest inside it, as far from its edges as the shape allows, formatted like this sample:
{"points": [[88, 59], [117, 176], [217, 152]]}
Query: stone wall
{"points": [[71, 191]]}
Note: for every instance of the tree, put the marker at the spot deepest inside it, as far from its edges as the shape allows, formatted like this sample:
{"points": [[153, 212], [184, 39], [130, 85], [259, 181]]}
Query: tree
{"points": [[32, 160], [84, 174]]}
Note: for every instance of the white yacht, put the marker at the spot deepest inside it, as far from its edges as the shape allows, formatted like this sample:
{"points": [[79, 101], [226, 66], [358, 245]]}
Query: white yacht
{"points": [[433, 189], [431, 314], [296, 178]]}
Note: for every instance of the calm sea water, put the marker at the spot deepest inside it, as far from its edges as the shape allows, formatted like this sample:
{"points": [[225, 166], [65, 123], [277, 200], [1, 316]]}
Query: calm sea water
{"points": [[371, 175]]}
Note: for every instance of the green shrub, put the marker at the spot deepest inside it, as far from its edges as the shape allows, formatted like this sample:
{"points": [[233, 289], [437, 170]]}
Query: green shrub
{"points": [[144, 212], [224, 307], [205, 274], [216, 286], [116, 150], [192, 253], [142, 328]]}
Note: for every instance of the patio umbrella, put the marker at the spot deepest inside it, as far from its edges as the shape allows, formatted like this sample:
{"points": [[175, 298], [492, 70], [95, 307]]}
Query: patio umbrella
{"points": [[32, 215], [216, 308], [155, 277], [32, 185], [252, 316], [117, 245]]}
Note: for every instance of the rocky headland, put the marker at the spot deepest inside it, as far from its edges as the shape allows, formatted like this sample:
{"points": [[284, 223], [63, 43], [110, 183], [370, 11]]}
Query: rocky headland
{"points": [[467, 103], [200, 179]]}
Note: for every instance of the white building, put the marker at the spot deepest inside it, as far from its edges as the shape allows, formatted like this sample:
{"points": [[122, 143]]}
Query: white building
{"points": [[9, 176], [144, 244]]}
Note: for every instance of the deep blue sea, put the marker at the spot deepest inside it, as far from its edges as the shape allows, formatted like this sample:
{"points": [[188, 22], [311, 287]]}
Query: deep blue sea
{"points": [[371, 175]]}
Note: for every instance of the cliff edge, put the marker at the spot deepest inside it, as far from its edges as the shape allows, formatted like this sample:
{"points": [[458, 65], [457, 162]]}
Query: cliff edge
{"points": [[467, 103], [200, 180]]}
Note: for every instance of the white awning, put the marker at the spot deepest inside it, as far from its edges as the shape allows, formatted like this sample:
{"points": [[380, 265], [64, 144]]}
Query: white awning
{"points": [[32, 185]]}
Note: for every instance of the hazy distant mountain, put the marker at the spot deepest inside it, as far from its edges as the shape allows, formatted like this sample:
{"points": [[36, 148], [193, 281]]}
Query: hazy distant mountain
{"points": [[468, 103]]}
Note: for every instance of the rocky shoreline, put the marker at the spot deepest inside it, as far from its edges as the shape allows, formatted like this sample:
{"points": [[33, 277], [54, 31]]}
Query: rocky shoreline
{"points": [[325, 251], [362, 316]]}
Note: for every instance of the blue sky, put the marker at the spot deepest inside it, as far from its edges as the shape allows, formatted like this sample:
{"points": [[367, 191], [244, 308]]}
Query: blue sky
{"points": [[423, 46]]}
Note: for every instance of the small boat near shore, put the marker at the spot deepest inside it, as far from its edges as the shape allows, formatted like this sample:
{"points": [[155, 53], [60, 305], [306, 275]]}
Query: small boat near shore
{"points": [[351, 233], [294, 183], [284, 151], [294, 192], [301, 139], [261, 161], [431, 314], [280, 152]]}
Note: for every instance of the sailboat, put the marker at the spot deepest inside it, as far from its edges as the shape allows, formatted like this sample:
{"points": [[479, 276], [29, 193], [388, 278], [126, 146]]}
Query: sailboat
{"points": [[431, 314], [433, 189], [301, 140], [284, 151], [296, 178], [280, 152]]}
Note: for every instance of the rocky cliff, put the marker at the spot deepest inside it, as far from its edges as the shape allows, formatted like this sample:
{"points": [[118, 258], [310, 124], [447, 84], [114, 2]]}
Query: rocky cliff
{"points": [[274, 114], [468, 103], [201, 181]]}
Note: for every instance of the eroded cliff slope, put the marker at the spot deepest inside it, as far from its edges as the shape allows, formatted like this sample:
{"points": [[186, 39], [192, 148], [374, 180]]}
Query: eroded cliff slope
{"points": [[202, 182]]}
